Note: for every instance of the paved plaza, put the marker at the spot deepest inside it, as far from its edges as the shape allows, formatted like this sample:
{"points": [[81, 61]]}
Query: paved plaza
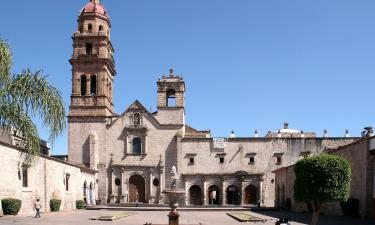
{"points": [[159, 217]]}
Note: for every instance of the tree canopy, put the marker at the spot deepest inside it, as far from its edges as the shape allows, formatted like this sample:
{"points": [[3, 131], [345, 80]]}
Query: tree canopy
{"points": [[322, 178], [28, 95]]}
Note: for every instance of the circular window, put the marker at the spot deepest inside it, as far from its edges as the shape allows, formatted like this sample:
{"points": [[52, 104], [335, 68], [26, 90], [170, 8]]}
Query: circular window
{"points": [[156, 182], [117, 182]]}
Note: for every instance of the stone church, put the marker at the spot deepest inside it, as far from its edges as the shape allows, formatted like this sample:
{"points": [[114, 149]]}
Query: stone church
{"points": [[134, 152]]}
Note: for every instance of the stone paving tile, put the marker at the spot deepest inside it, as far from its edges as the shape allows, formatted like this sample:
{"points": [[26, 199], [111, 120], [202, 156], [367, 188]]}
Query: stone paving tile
{"points": [[160, 217]]}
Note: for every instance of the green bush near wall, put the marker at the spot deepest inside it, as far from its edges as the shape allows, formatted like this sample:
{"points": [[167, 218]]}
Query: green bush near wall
{"points": [[55, 205], [80, 204], [11, 206]]}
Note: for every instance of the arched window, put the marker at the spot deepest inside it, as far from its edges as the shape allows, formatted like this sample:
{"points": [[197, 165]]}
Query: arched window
{"points": [[89, 27], [83, 85], [100, 28], [171, 98], [93, 85], [137, 119], [67, 177], [137, 146], [88, 48]]}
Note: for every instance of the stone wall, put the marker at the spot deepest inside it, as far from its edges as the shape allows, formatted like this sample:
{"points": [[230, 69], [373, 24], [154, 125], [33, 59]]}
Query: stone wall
{"points": [[46, 180], [237, 156], [362, 165], [362, 183]]}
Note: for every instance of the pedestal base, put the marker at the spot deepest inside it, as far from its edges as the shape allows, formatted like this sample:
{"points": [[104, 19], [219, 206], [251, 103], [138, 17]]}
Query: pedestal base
{"points": [[112, 199], [173, 218]]}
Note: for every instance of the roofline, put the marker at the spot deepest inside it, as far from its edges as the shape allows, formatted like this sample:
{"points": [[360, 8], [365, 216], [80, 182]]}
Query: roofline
{"points": [[20, 149]]}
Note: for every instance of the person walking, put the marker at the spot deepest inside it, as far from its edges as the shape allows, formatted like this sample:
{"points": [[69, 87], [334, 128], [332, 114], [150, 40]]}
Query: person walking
{"points": [[37, 208]]}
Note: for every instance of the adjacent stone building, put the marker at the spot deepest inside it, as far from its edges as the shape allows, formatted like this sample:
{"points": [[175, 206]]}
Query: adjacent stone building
{"points": [[360, 154], [135, 151], [45, 178]]}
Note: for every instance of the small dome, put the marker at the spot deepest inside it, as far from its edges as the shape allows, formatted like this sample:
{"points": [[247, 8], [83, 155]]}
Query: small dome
{"points": [[289, 131], [93, 7]]}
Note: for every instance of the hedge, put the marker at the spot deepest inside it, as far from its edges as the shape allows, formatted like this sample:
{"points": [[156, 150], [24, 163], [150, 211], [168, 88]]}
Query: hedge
{"points": [[55, 205], [11, 206], [80, 204]]}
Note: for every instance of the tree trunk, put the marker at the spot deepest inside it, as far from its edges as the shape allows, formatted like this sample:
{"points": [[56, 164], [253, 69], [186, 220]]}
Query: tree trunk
{"points": [[316, 211], [314, 220]]}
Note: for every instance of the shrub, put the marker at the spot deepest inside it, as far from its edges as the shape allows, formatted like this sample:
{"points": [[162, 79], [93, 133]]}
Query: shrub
{"points": [[320, 179], [350, 208], [55, 205], [11, 206], [80, 204]]}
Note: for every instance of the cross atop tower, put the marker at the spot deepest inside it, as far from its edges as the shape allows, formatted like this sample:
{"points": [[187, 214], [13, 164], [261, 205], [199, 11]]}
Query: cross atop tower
{"points": [[95, 1]]}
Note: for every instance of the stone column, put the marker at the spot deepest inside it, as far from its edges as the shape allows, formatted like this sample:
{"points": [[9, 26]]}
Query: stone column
{"points": [[261, 192], [242, 196], [223, 193], [151, 187], [112, 197], [204, 191], [88, 78], [186, 192], [122, 195], [161, 185]]}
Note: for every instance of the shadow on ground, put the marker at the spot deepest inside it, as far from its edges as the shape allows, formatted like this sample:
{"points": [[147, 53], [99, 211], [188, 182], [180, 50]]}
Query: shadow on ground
{"points": [[305, 218]]}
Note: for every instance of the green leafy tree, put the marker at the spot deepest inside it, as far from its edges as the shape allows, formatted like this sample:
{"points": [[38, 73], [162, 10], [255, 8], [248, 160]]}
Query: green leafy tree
{"points": [[28, 95], [322, 178]]}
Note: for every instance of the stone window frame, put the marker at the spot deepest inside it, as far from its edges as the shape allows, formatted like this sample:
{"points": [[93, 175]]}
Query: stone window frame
{"points": [[221, 157], [133, 146], [279, 158], [25, 172], [67, 181], [130, 134], [133, 119], [251, 156], [191, 158]]}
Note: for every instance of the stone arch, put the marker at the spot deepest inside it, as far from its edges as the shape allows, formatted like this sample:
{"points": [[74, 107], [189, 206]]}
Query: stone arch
{"points": [[214, 195], [170, 97], [137, 188], [93, 85], [195, 195], [83, 85], [91, 194], [251, 194], [84, 191], [233, 195]]}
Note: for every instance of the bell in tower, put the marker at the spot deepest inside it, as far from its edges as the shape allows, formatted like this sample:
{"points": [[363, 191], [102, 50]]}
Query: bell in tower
{"points": [[92, 63]]}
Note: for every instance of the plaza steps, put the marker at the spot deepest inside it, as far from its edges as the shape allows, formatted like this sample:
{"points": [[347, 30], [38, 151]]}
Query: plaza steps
{"points": [[164, 207]]}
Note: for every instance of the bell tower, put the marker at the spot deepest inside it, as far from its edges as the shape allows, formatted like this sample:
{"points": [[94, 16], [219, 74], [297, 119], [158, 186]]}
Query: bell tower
{"points": [[93, 70], [171, 99], [93, 66]]}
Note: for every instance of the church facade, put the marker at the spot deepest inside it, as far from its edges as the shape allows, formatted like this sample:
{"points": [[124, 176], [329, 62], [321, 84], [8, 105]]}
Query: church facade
{"points": [[134, 152]]}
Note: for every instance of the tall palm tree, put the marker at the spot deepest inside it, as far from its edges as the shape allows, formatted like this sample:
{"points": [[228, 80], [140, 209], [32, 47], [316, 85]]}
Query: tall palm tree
{"points": [[28, 95]]}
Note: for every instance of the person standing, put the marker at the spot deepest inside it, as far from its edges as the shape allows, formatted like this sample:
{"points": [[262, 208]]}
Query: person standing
{"points": [[37, 208]]}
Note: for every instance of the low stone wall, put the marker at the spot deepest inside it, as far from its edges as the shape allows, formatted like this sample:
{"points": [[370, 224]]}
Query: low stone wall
{"points": [[46, 179]]}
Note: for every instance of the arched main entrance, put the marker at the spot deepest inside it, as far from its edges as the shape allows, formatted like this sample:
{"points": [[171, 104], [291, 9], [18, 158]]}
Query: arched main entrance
{"points": [[251, 195], [233, 195], [195, 195], [214, 195], [137, 189]]}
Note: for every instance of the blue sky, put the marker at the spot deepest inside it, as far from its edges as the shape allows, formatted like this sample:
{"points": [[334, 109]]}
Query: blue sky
{"points": [[247, 63]]}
